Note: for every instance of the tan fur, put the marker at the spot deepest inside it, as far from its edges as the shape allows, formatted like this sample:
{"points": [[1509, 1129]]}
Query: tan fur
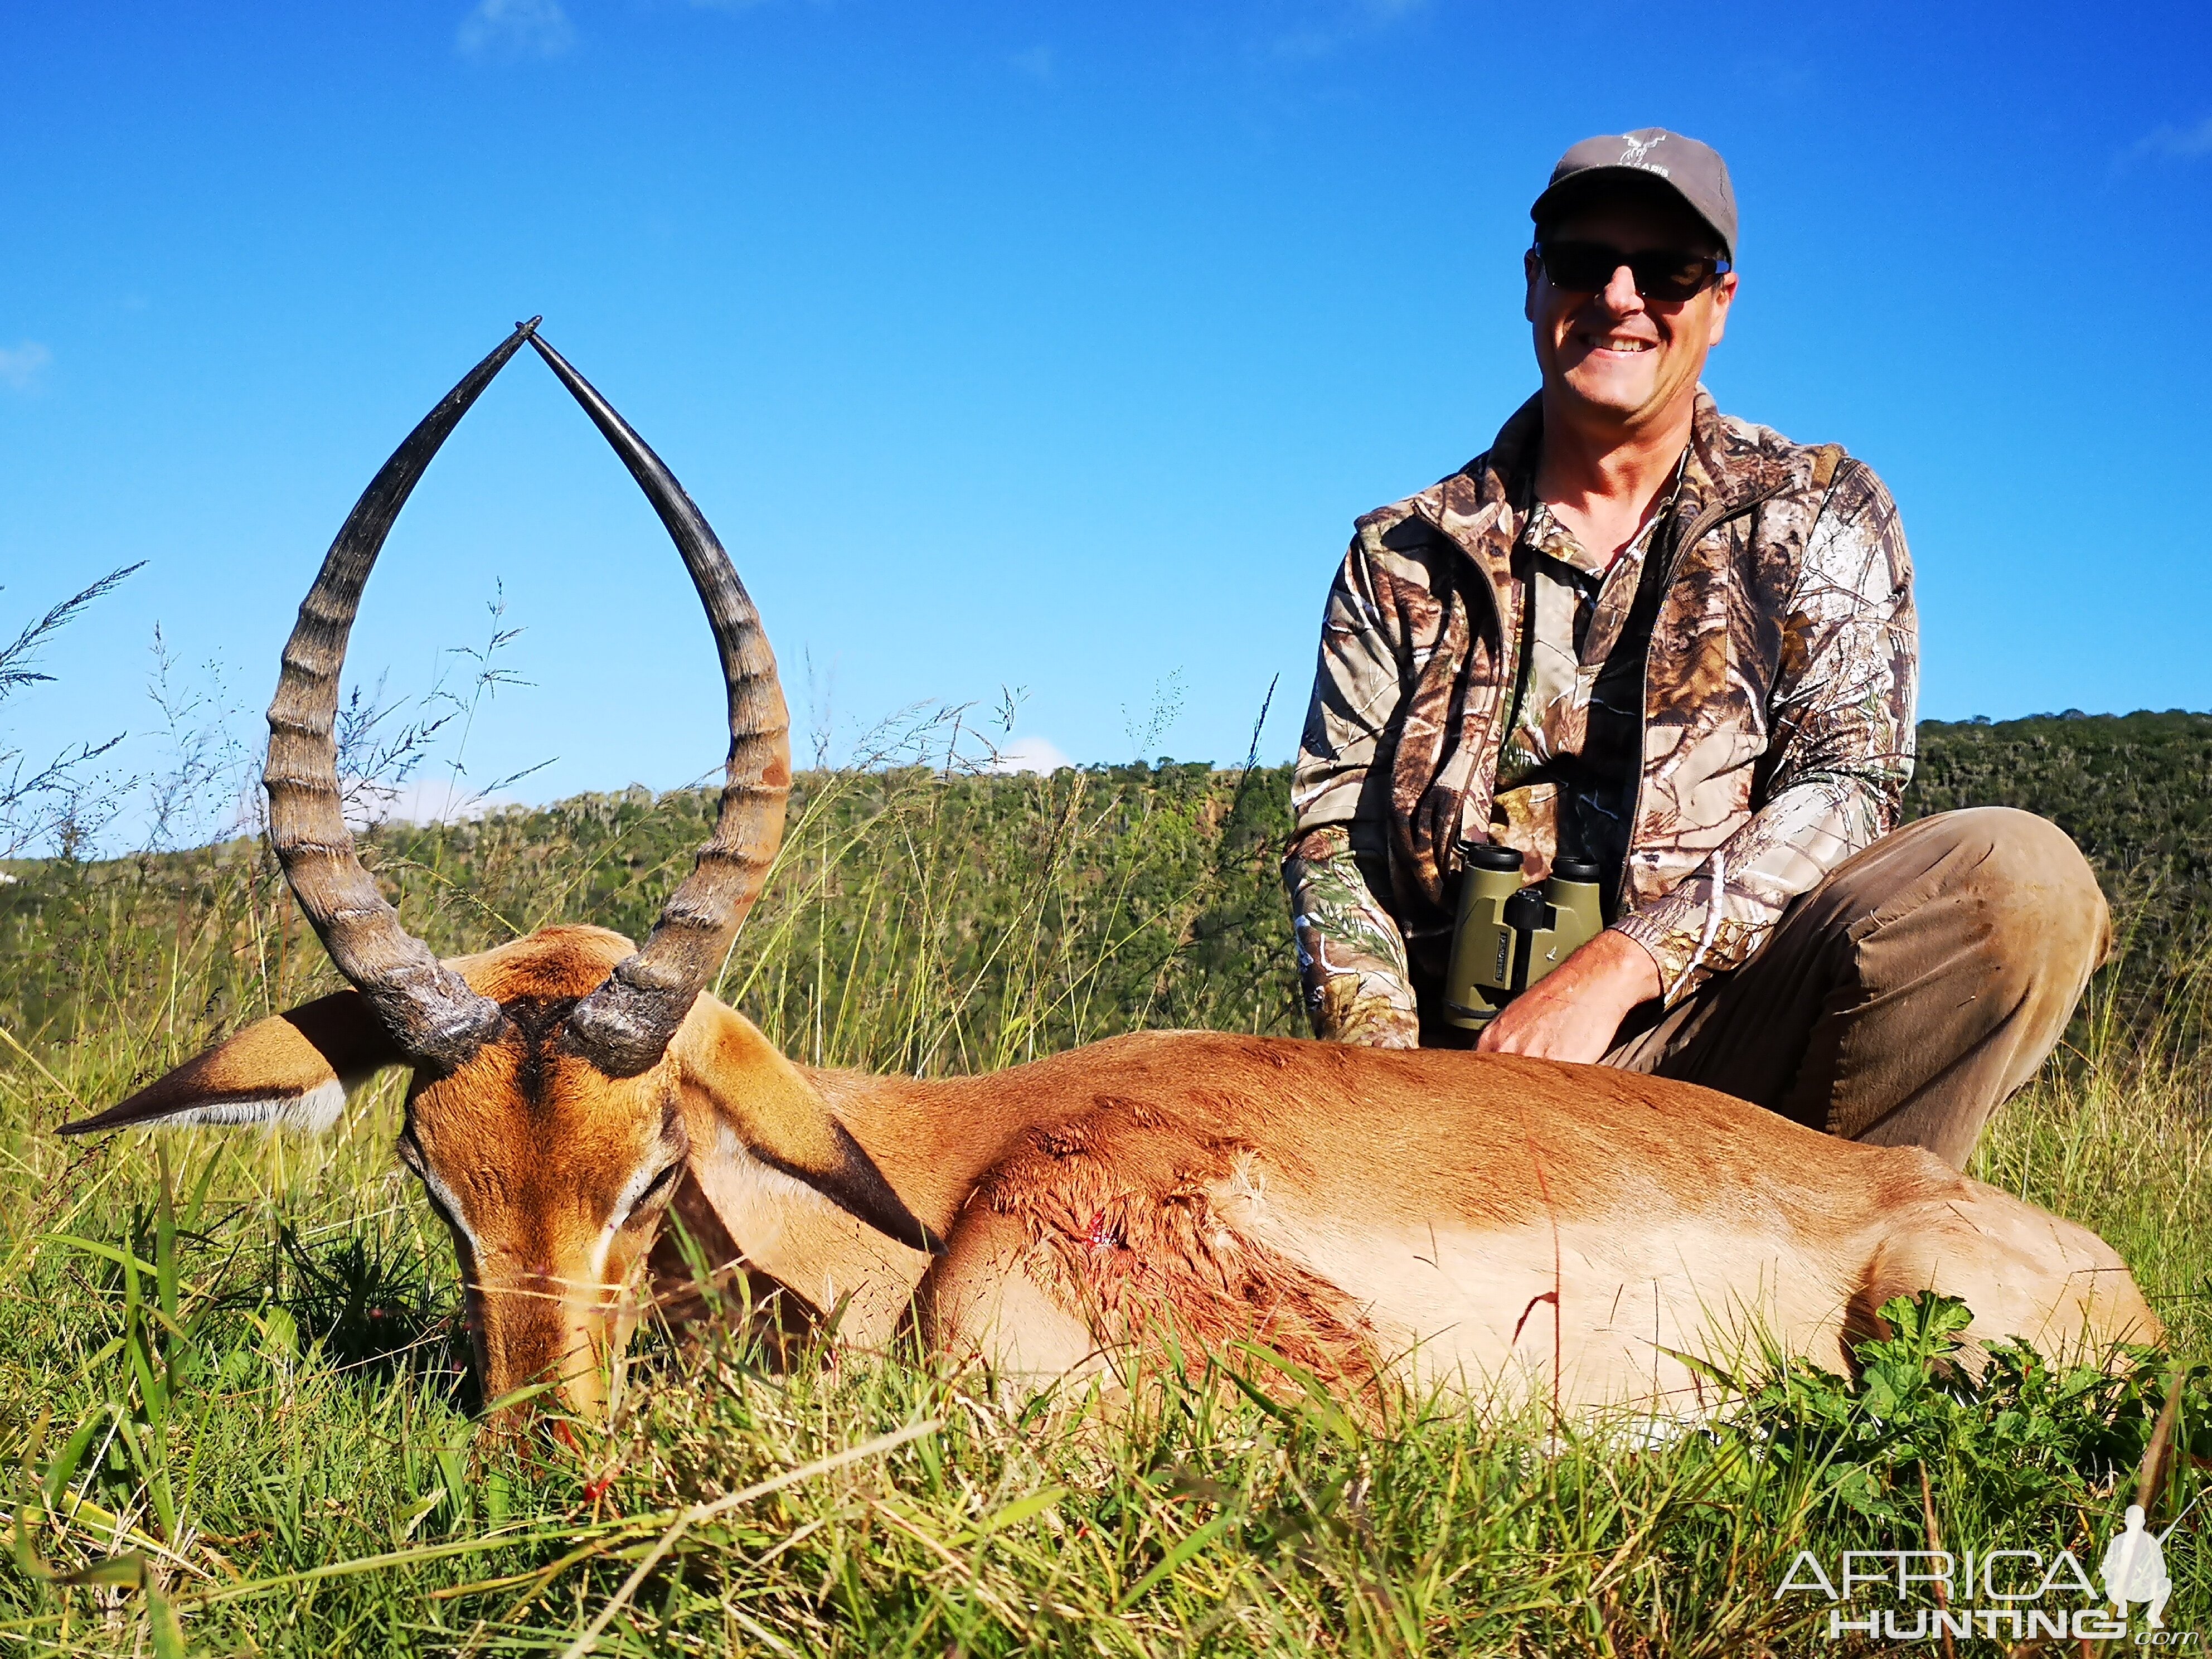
{"points": [[1500, 1226], [288, 1066], [1495, 1224]]}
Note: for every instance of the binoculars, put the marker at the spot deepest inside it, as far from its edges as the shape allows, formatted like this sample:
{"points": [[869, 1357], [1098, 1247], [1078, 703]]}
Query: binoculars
{"points": [[1507, 936]]}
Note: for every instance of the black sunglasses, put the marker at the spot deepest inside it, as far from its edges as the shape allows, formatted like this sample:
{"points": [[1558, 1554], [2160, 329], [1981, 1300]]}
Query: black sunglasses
{"points": [[1659, 273]]}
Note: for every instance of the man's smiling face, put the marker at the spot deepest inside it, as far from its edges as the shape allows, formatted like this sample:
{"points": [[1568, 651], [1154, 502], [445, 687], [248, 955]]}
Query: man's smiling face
{"points": [[1614, 357]]}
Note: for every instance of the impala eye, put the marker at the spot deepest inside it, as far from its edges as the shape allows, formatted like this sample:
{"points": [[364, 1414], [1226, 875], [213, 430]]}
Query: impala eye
{"points": [[656, 1189]]}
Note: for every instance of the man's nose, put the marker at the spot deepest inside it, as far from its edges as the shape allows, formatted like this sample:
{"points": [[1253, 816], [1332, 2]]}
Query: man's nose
{"points": [[1621, 296]]}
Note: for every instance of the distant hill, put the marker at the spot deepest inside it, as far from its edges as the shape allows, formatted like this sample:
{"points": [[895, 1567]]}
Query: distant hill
{"points": [[2135, 791], [929, 922]]}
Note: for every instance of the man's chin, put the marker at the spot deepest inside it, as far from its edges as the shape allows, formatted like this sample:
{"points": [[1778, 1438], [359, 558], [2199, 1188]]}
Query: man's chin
{"points": [[1606, 399], [1616, 395]]}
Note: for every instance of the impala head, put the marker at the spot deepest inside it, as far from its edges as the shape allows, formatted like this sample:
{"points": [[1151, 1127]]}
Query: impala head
{"points": [[562, 1083]]}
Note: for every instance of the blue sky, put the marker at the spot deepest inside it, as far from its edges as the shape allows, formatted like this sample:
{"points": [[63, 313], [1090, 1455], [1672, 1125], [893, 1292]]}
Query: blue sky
{"points": [[1040, 346]]}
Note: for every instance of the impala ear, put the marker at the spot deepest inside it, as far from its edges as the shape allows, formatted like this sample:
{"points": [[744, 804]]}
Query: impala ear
{"points": [[293, 1070], [764, 1100]]}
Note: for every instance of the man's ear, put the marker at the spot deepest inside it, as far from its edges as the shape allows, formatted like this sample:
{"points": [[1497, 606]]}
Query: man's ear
{"points": [[293, 1070], [1723, 298], [762, 1099]]}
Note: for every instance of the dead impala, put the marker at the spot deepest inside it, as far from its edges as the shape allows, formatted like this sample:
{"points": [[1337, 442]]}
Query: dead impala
{"points": [[1465, 1220]]}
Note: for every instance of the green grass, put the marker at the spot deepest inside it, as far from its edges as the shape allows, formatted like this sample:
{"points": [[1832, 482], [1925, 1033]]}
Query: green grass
{"points": [[233, 1407]]}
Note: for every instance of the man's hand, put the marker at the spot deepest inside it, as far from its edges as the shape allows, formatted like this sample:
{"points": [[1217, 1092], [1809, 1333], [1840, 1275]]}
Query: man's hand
{"points": [[1574, 1011]]}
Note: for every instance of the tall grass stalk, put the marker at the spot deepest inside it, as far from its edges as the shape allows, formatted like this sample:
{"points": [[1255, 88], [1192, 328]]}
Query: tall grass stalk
{"points": [[234, 1410]]}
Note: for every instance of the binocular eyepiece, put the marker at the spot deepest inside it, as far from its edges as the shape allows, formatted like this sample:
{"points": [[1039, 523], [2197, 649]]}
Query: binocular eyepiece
{"points": [[1507, 936]]}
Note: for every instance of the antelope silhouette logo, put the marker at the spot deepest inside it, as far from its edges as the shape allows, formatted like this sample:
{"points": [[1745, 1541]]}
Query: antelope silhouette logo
{"points": [[1638, 153]]}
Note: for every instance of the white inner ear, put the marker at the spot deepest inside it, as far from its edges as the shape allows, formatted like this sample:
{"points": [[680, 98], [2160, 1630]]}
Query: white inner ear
{"points": [[754, 1200], [313, 1112]]}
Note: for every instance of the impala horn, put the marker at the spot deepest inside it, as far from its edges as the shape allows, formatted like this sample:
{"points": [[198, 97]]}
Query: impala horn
{"points": [[625, 1025], [431, 1013]]}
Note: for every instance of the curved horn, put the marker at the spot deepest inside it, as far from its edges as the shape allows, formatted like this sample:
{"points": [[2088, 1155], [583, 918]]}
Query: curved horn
{"points": [[624, 1026], [430, 1011]]}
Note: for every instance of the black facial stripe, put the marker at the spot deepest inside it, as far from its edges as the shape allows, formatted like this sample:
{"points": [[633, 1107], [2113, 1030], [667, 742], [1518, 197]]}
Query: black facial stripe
{"points": [[535, 1016], [536, 1021]]}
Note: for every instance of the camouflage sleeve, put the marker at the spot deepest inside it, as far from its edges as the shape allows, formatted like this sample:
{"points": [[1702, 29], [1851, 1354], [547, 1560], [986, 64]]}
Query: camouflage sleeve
{"points": [[1840, 751], [1352, 958], [1358, 681]]}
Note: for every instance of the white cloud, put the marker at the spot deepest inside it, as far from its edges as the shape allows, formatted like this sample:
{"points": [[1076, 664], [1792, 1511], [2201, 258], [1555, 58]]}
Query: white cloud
{"points": [[2173, 143], [1029, 755], [516, 29], [1327, 26], [21, 369]]}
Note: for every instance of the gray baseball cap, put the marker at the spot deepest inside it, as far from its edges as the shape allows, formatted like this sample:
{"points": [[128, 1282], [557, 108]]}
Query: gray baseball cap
{"points": [[1649, 155]]}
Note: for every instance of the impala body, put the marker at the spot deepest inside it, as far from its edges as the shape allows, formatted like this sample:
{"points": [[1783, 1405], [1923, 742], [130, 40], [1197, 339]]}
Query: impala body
{"points": [[1499, 1225]]}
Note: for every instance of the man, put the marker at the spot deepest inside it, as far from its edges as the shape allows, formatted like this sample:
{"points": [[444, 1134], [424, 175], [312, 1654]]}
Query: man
{"points": [[1638, 632]]}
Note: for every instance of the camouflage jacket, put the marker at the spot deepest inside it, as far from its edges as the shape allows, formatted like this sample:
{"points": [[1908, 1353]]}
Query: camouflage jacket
{"points": [[1778, 712]]}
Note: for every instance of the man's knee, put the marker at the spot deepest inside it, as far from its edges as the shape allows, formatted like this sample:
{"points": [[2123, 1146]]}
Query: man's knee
{"points": [[2025, 886]]}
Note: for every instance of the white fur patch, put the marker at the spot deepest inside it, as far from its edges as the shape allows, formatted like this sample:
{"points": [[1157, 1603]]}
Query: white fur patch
{"points": [[744, 1178], [756, 1203], [451, 1205], [633, 1189], [312, 1113], [1479, 1308]]}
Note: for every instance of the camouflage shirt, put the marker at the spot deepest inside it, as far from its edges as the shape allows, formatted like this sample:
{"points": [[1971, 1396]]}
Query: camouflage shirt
{"points": [[1566, 774], [1769, 634]]}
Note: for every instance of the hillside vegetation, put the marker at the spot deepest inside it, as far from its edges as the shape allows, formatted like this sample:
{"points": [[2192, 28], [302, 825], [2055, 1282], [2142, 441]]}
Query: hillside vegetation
{"points": [[2135, 791], [231, 1378], [1114, 898]]}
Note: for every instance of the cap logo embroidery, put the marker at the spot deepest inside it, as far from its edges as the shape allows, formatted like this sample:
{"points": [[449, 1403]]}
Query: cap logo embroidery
{"points": [[1638, 153]]}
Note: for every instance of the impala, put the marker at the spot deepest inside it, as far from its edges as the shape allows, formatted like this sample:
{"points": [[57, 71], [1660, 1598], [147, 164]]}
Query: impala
{"points": [[1476, 1221]]}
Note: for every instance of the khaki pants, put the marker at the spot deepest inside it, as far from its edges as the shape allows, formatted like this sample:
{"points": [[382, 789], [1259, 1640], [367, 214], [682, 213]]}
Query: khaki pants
{"points": [[1903, 999]]}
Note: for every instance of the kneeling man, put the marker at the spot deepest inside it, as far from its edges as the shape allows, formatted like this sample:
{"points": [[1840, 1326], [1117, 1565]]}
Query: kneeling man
{"points": [[1643, 634]]}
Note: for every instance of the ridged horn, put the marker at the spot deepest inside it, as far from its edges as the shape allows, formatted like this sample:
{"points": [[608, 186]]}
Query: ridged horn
{"points": [[625, 1025], [428, 1009]]}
